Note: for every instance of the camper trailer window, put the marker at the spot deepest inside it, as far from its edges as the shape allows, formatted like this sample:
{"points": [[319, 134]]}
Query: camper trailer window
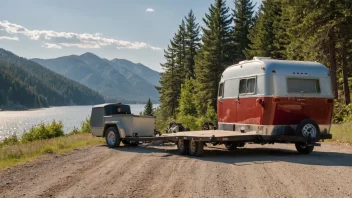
{"points": [[243, 85], [250, 85], [300, 85], [221, 90], [247, 86]]}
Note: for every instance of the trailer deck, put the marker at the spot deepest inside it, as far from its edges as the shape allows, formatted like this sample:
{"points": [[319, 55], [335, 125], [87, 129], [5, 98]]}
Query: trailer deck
{"points": [[220, 136]]}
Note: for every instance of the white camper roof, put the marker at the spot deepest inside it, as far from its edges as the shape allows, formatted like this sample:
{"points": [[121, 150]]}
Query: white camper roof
{"points": [[266, 65]]}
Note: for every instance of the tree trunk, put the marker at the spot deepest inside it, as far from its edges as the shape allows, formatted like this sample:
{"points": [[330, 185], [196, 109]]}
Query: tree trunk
{"points": [[345, 73], [332, 57]]}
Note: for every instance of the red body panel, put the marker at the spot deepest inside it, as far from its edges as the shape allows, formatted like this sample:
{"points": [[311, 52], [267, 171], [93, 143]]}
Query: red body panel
{"points": [[284, 111]]}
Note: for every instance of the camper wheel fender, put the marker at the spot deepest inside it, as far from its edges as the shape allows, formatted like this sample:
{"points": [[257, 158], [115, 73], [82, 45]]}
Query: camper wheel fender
{"points": [[117, 125]]}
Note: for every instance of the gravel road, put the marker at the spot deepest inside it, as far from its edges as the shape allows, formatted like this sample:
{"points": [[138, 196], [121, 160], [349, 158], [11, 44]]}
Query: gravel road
{"points": [[146, 171]]}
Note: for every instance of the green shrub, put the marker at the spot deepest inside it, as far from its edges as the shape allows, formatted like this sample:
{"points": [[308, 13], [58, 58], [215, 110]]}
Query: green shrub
{"points": [[342, 113], [44, 131], [75, 131], [188, 121], [10, 140], [85, 125]]}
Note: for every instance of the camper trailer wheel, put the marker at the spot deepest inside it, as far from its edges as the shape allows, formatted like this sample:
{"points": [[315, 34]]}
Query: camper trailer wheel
{"points": [[182, 146], [112, 137], [308, 128], [231, 146], [196, 148]]}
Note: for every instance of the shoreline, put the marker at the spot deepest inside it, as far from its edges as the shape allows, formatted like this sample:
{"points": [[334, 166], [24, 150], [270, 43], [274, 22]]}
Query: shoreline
{"points": [[4, 109]]}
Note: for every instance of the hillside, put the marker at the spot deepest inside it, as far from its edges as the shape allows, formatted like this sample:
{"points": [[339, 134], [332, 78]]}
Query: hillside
{"points": [[117, 79], [27, 84]]}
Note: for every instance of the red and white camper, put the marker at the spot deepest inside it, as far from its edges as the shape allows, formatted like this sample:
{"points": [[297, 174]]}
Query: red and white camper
{"points": [[276, 97]]}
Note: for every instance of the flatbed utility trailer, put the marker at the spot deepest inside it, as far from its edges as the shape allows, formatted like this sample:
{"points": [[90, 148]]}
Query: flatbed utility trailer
{"points": [[193, 142]]}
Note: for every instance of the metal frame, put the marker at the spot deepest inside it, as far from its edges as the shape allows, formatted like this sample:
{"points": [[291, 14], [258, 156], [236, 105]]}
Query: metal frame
{"points": [[235, 138]]}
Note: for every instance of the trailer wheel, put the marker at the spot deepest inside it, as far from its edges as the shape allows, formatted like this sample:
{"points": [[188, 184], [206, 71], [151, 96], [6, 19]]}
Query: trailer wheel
{"points": [[196, 148], [231, 146], [307, 128], [112, 137], [303, 148], [182, 146]]}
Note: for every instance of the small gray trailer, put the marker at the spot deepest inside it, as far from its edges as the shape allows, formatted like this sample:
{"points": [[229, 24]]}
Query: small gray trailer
{"points": [[116, 124]]}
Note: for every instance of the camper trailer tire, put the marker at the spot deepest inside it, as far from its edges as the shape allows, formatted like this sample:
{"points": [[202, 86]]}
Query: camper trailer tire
{"points": [[112, 137], [196, 148], [182, 146], [308, 128]]}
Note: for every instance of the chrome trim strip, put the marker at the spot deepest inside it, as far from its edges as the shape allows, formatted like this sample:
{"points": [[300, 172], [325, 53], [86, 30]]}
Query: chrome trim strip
{"points": [[267, 129]]}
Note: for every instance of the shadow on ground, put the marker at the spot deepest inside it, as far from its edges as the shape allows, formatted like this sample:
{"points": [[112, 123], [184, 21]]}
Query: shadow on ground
{"points": [[248, 156]]}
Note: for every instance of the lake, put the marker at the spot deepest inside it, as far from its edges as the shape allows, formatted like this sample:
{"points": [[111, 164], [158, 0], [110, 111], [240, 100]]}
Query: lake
{"points": [[16, 122]]}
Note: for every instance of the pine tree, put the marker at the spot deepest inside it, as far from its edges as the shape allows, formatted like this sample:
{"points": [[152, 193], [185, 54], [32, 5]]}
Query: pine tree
{"points": [[243, 19], [148, 108], [168, 90], [215, 54], [192, 43], [269, 37], [175, 72], [178, 43]]}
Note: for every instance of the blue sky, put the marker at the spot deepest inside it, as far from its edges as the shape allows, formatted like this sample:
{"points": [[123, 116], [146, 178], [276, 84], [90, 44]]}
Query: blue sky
{"points": [[109, 28]]}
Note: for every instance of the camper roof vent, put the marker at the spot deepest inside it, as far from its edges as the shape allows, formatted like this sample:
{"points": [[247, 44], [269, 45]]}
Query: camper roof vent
{"points": [[260, 58]]}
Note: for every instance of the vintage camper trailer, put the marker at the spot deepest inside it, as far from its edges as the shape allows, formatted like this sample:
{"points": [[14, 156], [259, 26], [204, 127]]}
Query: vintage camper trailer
{"points": [[276, 97]]}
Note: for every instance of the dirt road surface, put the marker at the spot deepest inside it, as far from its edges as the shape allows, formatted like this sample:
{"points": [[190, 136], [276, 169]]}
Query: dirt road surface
{"points": [[145, 171]]}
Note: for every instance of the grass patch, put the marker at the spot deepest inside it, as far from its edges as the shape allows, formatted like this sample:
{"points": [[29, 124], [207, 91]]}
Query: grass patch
{"points": [[342, 133], [11, 154]]}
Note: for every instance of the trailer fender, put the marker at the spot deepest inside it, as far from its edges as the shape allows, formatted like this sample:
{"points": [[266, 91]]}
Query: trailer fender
{"points": [[116, 124]]}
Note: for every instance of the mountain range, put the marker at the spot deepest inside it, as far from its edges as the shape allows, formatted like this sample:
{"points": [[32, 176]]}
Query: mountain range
{"points": [[116, 79], [26, 84]]}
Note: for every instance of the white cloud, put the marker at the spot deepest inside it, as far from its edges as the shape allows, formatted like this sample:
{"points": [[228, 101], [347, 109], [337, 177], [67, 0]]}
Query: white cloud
{"points": [[154, 48], [150, 10], [70, 39], [15, 38], [51, 45]]}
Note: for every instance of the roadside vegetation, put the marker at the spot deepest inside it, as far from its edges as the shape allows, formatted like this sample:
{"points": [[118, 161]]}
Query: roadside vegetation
{"points": [[342, 133], [44, 139]]}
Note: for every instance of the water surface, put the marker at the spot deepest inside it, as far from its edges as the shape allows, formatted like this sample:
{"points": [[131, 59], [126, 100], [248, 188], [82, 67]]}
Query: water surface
{"points": [[16, 122]]}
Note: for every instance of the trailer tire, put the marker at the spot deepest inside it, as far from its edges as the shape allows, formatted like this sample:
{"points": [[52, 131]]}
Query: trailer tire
{"points": [[231, 145], [112, 137], [308, 128], [182, 146], [303, 148], [196, 148]]}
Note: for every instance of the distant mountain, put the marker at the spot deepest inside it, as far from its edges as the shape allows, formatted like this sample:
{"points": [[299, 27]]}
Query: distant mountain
{"points": [[117, 79], [28, 84]]}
